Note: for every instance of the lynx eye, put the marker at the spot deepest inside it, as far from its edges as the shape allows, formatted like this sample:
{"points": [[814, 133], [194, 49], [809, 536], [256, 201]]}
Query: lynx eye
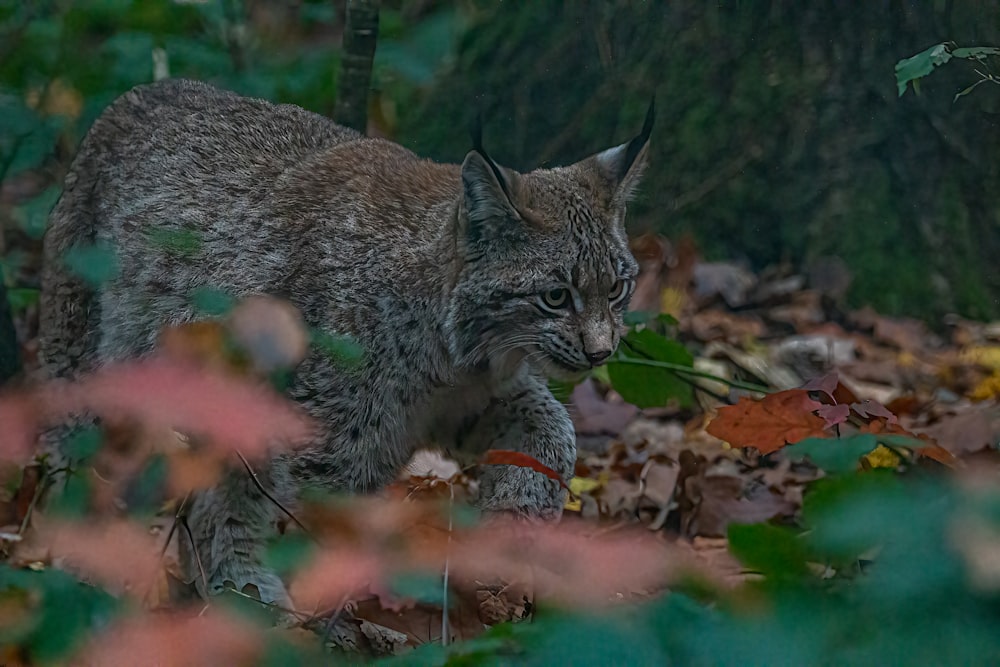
{"points": [[556, 299], [620, 290]]}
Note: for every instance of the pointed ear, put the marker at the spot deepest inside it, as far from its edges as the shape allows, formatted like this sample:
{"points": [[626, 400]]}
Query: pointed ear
{"points": [[621, 167], [488, 195]]}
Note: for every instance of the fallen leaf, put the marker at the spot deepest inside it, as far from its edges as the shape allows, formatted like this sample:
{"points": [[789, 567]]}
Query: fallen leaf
{"points": [[596, 415], [967, 431], [869, 408], [770, 423], [834, 414]]}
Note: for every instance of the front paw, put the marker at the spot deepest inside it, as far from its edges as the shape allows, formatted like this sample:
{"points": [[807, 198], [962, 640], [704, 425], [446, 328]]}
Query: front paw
{"points": [[252, 580], [521, 492]]}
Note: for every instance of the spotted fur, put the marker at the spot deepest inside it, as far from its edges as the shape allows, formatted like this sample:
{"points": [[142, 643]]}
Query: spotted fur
{"points": [[439, 271]]}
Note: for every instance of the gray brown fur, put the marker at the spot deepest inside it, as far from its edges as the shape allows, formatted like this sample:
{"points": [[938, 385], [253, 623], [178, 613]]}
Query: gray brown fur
{"points": [[437, 270]]}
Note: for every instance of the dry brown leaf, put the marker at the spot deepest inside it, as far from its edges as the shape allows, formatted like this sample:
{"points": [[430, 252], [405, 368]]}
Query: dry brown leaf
{"points": [[771, 423]]}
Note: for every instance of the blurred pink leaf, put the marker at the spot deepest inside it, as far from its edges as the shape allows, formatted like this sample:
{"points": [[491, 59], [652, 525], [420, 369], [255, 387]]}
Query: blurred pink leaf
{"points": [[181, 640], [18, 428], [119, 555]]}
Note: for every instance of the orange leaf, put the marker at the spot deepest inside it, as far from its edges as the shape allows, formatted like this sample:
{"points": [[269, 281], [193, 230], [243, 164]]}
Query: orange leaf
{"points": [[770, 423], [498, 457]]}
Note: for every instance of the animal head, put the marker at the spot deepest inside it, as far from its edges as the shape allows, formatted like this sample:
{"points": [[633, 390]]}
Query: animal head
{"points": [[547, 273]]}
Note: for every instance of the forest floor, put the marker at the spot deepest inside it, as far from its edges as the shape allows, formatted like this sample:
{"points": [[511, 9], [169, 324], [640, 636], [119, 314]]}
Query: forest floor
{"points": [[652, 500]]}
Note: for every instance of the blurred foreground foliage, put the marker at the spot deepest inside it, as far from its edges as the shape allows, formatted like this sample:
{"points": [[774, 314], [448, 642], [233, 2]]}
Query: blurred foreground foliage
{"points": [[881, 568]]}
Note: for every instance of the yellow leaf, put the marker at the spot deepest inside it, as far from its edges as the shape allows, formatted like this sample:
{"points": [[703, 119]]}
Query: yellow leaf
{"points": [[984, 355], [579, 485], [672, 301], [988, 388], [882, 457]]}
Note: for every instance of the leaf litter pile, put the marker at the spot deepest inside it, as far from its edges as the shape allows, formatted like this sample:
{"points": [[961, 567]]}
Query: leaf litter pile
{"points": [[708, 450]]}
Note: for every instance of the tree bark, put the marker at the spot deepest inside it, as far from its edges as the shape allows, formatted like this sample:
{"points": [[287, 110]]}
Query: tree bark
{"points": [[360, 33]]}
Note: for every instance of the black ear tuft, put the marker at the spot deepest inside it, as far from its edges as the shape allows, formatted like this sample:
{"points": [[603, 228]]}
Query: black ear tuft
{"points": [[634, 146], [476, 134]]}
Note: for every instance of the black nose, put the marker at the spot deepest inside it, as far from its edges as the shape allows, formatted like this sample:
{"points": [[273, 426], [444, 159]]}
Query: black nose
{"points": [[597, 357]]}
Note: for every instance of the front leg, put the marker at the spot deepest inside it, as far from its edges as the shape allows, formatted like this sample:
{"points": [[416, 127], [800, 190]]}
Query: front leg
{"points": [[530, 420]]}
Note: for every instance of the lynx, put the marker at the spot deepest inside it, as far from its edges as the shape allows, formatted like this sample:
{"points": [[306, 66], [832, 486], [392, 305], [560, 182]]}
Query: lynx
{"points": [[467, 286]]}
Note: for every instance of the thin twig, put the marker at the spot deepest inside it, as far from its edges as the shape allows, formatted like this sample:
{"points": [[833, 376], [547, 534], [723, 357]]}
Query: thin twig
{"points": [[197, 556], [687, 370], [445, 621], [260, 487], [35, 497], [173, 525], [301, 617]]}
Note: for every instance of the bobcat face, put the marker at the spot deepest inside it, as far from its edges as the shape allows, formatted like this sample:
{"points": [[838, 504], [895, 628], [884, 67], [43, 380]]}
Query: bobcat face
{"points": [[579, 282], [548, 274]]}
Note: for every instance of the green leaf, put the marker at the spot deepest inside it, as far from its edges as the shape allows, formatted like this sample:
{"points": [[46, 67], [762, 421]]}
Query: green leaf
{"points": [[420, 586], [147, 489], [183, 243], [920, 65], [834, 455], [20, 298], [288, 552], [211, 301], [83, 444], [72, 498], [976, 52], [850, 514], [33, 216], [341, 348], [27, 139], [95, 264], [62, 611], [775, 551], [646, 385]]}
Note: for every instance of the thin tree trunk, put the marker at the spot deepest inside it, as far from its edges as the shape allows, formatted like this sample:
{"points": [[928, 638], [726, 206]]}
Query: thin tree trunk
{"points": [[360, 33], [10, 357]]}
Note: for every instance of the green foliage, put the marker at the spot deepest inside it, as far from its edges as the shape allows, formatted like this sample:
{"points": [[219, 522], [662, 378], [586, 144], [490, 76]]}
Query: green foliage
{"points": [[834, 455], [183, 243], [96, 264], [636, 376], [32, 217], [49, 612], [912, 69], [211, 301], [342, 349], [775, 551]]}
